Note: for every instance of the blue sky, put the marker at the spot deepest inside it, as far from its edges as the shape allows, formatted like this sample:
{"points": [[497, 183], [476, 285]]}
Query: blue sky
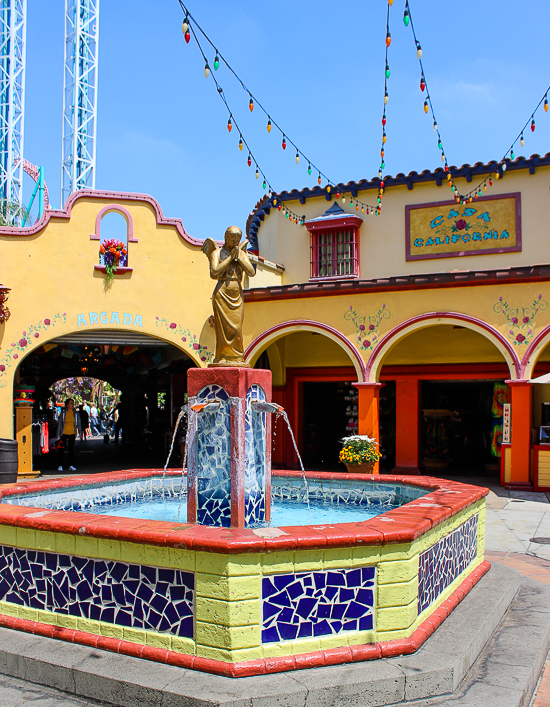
{"points": [[318, 68]]}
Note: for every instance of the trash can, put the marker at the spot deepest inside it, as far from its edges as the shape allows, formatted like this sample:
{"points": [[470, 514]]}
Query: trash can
{"points": [[8, 461]]}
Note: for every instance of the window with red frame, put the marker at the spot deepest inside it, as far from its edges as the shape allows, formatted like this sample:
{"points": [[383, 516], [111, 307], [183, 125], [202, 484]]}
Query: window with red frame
{"points": [[334, 253]]}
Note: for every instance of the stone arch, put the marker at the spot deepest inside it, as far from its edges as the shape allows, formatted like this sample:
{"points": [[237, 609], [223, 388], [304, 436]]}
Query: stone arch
{"points": [[298, 325], [393, 337]]}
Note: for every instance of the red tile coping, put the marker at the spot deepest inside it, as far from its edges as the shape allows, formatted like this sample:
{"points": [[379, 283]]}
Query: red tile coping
{"points": [[262, 666], [401, 525]]}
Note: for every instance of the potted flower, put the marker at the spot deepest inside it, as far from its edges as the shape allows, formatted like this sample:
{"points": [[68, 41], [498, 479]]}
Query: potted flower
{"points": [[113, 253], [359, 453]]}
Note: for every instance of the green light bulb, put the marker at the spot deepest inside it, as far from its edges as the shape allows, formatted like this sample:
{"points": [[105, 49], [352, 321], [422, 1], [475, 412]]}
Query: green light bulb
{"points": [[387, 71], [309, 169], [216, 63]]}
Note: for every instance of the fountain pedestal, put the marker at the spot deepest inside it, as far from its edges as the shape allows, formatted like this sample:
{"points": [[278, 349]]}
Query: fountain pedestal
{"points": [[229, 447]]}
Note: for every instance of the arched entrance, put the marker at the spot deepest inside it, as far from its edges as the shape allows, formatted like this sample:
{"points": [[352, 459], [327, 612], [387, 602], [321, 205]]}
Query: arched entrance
{"points": [[444, 375], [314, 367], [150, 372]]}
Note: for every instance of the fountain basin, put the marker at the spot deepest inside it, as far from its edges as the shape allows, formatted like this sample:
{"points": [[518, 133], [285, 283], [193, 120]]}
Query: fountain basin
{"points": [[240, 601]]}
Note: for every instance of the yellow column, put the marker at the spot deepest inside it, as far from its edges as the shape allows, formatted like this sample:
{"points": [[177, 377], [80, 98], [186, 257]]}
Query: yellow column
{"points": [[23, 434]]}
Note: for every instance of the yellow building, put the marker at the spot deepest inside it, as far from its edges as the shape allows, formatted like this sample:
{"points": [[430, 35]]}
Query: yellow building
{"points": [[420, 325]]}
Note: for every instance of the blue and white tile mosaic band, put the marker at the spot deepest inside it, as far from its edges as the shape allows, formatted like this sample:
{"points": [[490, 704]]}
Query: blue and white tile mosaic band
{"points": [[317, 603], [213, 459], [255, 459], [135, 596], [445, 561]]}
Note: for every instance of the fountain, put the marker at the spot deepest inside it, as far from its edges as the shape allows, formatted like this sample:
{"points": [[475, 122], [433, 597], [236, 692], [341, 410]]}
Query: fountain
{"points": [[227, 590]]}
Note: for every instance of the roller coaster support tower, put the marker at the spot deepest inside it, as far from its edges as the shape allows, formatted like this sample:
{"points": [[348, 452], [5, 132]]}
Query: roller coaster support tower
{"points": [[80, 96], [13, 26]]}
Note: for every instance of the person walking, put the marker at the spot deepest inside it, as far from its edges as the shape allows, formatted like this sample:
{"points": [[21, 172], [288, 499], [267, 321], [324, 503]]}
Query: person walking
{"points": [[84, 421], [68, 426], [94, 420]]}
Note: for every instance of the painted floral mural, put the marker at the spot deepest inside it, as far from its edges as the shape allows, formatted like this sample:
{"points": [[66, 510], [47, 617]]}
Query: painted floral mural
{"points": [[186, 337], [28, 337], [368, 326], [520, 327]]}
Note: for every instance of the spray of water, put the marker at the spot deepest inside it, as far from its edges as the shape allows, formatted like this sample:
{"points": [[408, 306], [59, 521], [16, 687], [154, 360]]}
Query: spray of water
{"points": [[182, 413], [282, 413]]}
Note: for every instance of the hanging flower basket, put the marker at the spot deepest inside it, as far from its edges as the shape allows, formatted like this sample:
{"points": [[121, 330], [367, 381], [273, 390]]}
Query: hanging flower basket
{"points": [[113, 253], [359, 453]]}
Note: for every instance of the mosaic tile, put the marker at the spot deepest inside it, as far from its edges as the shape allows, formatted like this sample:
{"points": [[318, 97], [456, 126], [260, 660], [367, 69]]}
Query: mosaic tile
{"points": [[213, 459], [345, 492], [136, 596], [86, 498], [317, 603], [255, 459], [445, 561]]}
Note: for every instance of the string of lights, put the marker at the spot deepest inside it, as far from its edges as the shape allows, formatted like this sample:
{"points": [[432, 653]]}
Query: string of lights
{"points": [[188, 28], [466, 197]]}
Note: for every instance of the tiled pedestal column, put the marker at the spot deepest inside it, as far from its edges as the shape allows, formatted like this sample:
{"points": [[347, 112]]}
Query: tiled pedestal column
{"points": [[229, 465]]}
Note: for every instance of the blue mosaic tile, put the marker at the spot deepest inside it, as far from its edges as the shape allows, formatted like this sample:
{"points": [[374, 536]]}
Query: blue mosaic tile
{"points": [[317, 603], [213, 459], [137, 596], [255, 459], [445, 561]]}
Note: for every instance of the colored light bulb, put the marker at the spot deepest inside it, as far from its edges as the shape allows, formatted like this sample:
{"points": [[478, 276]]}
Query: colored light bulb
{"points": [[435, 127], [297, 157], [381, 153], [251, 104], [268, 125], [216, 63], [309, 169], [229, 125], [490, 182], [206, 71], [384, 138], [319, 180], [387, 71], [283, 144], [406, 17], [240, 143], [511, 154], [187, 36], [264, 184], [504, 166], [343, 199], [522, 141], [382, 165], [546, 105], [390, 2], [497, 175], [426, 107], [422, 83], [249, 160], [257, 173], [185, 25], [384, 119], [439, 144], [351, 202], [418, 50], [386, 98], [388, 39], [533, 125], [484, 187]]}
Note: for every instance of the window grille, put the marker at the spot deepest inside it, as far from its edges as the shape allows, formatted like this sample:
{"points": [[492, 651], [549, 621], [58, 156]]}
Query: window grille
{"points": [[334, 253]]}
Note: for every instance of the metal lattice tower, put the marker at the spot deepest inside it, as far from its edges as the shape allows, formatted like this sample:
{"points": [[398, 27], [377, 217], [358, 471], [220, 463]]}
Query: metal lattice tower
{"points": [[79, 96], [13, 26]]}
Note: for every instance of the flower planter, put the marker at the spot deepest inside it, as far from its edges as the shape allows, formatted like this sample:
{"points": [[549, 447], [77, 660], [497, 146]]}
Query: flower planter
{"points": [[367, 468]]}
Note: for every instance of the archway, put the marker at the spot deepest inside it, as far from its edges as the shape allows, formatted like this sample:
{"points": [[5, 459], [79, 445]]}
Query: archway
{"points": [[150, 372], [445, 375], [314, 367]]}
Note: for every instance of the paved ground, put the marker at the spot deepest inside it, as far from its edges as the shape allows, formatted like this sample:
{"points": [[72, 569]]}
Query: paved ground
{"points": [[515, 520]]}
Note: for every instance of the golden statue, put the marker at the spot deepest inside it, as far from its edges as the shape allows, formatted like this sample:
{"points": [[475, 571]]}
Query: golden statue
{"points": [[227, 266]]}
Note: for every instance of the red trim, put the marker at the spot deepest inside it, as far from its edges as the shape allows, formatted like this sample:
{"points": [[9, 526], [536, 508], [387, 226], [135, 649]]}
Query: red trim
{"points": [[118, 271], [494, 333], [351, 348], [96, 194], [116, 208], [453, 254], [261, 666], [333, 227], [409, 522], [530, 349], [402, 283]]}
